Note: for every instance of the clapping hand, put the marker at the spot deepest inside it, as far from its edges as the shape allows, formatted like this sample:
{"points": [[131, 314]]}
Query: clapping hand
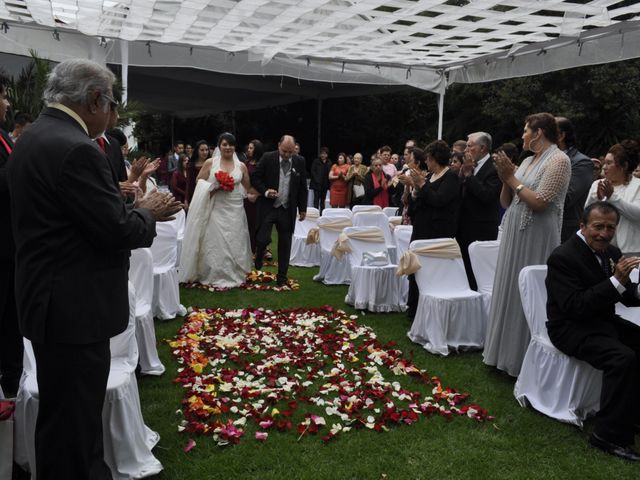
{"points": [[467, 167], [137, 168], [129, 190], [624, 267], [151, 167], [417, 177], [504, 166], [162, 205], [605, 189]]}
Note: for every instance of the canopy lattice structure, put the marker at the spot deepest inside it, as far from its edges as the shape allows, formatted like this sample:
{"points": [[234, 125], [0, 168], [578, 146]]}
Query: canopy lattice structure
{"points": [[427, 44]]}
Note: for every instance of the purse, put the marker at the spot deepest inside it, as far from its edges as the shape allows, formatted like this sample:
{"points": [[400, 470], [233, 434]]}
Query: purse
{"points": [[358, 191], [375, 259]]}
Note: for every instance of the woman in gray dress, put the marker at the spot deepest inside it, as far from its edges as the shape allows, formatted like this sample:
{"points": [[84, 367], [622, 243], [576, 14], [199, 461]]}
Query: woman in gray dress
{"points": [[535, 195]]}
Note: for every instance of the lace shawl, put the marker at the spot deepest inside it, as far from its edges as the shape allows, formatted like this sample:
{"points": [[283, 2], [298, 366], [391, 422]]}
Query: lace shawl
{"points": [[550, 182]]}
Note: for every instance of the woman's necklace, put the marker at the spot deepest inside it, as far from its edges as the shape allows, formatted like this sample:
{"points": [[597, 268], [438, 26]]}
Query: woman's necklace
{"points": [[436, 176]]}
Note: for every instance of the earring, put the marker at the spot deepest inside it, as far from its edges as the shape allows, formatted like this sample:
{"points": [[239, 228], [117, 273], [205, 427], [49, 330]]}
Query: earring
{"points": [[532, 148]]}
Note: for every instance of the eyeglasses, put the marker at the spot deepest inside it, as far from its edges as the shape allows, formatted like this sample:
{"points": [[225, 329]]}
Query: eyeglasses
{"points": [[114, 103]]}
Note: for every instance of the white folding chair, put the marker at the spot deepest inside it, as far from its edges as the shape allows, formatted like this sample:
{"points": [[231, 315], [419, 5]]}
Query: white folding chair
{"points": [[166, 290], [127, 440], [390, 211], [631, 314], [303, 254], [181, 221], [553, 383], [337, 212], [402, 237], [449, 315], [366, 208], [332, 271], [380, 220], [374, 288], [484, 258], [141, 276]]}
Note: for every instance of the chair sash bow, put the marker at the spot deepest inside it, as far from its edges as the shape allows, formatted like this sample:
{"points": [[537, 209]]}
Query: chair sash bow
{"points": [[342, 245], [409, 262]]}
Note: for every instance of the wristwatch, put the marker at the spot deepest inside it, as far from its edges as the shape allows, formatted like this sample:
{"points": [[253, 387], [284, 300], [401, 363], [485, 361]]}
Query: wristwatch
{"points": [[519, 188]]}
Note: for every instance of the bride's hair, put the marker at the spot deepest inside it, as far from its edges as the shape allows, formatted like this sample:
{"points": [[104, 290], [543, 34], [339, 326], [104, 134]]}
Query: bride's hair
{"points": [[231, 140]]}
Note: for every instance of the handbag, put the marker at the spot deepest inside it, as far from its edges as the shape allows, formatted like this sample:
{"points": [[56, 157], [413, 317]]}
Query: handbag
{"points": [[375, 259], [358, 190]]}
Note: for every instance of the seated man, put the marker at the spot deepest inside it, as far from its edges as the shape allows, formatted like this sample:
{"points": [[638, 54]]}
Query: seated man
{"points": [[586, 278]]}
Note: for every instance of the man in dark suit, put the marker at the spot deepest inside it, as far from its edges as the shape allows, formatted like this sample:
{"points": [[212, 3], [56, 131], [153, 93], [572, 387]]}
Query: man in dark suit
{"points": [[280, 179], [10, 338], [73, 234], [586, 278], [480, 198], [581, 178]]}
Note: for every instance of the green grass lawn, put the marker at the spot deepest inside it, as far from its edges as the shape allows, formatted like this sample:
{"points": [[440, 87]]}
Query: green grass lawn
{"points": [[520, 443]]}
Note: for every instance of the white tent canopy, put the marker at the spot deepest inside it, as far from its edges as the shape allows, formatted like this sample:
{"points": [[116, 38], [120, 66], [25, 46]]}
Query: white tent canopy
{"points": [[413, 42], [427, 44]]}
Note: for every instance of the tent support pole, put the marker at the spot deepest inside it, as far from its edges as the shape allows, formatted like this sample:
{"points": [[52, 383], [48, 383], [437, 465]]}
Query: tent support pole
{"points": [[319, 121], [440, 114], [124, 49]]}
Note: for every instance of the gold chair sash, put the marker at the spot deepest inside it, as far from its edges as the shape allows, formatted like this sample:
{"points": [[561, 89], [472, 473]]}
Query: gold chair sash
{"points": [[342, 245], [409, 262]]}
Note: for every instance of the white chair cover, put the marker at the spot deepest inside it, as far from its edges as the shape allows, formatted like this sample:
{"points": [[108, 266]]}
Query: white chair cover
{"points": [[484, 258], [366, 208], [559, 386], [141, 276], [166, 290], [449, 313], [337, 212], [390, 211], [402, 236], [380, 220], [373, 288], [303, 255], [332, 271], [631, 314], [127, 440], [181, 220]]}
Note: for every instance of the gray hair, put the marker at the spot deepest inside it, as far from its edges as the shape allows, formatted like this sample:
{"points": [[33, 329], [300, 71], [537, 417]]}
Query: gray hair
{"points": [[482, 138], [74, 80]]}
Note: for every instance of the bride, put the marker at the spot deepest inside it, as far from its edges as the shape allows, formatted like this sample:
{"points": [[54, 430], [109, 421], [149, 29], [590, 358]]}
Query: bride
{"points": [[216, 249]]}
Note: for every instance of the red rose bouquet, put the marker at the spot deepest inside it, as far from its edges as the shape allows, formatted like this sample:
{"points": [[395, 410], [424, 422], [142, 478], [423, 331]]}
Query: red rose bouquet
{"points": [[225, 180]]}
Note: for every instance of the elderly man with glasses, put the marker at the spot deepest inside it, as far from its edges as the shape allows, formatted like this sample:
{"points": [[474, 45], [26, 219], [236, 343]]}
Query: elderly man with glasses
{"points": [[73, 234]]}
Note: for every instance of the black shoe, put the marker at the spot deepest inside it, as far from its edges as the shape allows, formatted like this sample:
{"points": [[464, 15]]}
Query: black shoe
{"points": [[258, 263], [282, 283], [626, 453]]}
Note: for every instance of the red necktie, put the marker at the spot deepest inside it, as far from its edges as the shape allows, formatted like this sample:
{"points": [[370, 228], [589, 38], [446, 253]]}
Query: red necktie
{"points": [[6, 145], [102, 144]]}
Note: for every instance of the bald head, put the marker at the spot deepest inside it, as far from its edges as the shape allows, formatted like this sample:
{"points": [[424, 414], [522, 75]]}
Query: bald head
{"points": [[287, 147]]}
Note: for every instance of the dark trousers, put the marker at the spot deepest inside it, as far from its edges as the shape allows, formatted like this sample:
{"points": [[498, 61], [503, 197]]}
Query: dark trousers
{"points": [[72, 382], [618, 358], [464, 249], [281, 218], [11, 347], [319, 197], [413, 296]]}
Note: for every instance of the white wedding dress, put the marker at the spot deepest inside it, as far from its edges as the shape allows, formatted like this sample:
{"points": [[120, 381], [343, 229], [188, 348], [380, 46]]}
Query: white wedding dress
{"points": [[216, 248]]}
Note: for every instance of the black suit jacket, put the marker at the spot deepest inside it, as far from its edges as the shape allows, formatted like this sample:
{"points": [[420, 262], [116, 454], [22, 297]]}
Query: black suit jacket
{"points": [[434, 213], [73, 234], [480, 205], [6, 239], [267, 176], [579, 185], [114, 154], [580, 298]]}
